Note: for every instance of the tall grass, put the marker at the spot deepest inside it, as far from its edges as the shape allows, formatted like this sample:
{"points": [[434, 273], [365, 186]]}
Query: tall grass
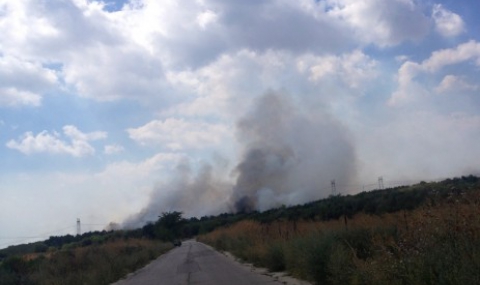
{"points": [[438, 243], [97, 264]]}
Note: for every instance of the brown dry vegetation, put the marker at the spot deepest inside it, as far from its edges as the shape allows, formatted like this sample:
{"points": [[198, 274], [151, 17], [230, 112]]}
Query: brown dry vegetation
{"points": [[97, 264], [438, 243]]}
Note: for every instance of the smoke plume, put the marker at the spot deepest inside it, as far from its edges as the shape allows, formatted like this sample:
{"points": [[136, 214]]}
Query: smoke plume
{"points": [[287, 156], [195, 193]]}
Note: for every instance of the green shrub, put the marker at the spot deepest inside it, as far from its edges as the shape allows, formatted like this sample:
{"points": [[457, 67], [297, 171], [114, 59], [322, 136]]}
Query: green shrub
{"points": [[341, 268], [308, 257], [359, 240], [275, 257]]}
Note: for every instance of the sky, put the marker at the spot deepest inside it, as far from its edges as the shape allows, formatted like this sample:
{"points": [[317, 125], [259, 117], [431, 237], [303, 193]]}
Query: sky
{"points": [[114, 111]]}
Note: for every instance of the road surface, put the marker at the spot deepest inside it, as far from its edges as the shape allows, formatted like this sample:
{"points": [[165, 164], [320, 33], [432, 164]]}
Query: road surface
{"points": [[195, 263]]}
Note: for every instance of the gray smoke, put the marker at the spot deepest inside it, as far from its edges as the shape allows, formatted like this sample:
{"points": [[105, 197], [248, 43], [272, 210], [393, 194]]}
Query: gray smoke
{"points": [[192, 192], [288, 156]]}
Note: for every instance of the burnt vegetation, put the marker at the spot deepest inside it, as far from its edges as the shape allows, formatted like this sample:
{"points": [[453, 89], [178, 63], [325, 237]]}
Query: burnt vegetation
{"points": [[326, 235]]}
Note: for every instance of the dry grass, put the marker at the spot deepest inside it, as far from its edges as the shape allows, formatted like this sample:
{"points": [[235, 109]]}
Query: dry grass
{"points": [[98, 264], [435, 244]]}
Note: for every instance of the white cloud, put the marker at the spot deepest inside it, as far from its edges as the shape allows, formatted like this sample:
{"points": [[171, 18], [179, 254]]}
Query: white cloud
{"points": [[144, 169], [23, 82], [178, 134], [447, 23], [451, 83], [401, 58], [127, 54], [206, 18], [12, 97], [409, 89], [113, 149], [107, 73], [383, 23], [463, 52], [352, 68], [46, 142], [73, 133], [24, 28], [91, 47], [224, 89]]}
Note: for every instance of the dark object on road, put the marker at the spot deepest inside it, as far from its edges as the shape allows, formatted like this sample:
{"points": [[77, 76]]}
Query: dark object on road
{"points": [[177, 243]]}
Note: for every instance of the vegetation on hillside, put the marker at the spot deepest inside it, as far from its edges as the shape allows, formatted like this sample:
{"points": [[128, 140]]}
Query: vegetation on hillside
{"points": [[92, 258], [423, 234], [101, 263]]}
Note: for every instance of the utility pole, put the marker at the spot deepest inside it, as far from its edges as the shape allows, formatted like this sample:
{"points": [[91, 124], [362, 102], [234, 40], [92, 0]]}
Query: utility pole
{"points": [[79, 229], [334, 188], [380, 182]]}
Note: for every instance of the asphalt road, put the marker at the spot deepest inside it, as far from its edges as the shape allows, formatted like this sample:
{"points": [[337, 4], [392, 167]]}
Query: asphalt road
{"points": [[195, 263]]}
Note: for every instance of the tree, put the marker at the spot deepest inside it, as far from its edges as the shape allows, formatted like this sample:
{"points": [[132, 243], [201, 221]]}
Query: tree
{"points": [[169, 226]]}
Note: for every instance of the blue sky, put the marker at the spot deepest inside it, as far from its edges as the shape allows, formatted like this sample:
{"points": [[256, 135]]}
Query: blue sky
{"points": [[107, 107]]}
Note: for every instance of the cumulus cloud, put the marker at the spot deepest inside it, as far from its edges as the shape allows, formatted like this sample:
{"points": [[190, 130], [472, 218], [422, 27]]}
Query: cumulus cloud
{"points": [[52, 142], [224, 89], [444, 57], [113, 149], [382, 23], [447, 23], [409, 89], [87, 44], [23, 82], [206, 18], [351, 68], [12, 97], [176, 134], [126, 73], [452, 83], [132, 53]]}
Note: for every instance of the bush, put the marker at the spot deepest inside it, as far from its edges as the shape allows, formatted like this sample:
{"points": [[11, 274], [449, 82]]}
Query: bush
{"points": [[40, 248], [97, 264], [275, 257], [308, 257], [359, 240]]}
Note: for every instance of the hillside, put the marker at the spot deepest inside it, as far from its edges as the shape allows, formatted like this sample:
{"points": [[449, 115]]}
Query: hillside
{"points": [[422, 234]]}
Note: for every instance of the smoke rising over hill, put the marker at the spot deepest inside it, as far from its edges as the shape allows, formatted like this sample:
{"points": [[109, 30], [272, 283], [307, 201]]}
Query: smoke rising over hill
{"points": [[287, 156]]}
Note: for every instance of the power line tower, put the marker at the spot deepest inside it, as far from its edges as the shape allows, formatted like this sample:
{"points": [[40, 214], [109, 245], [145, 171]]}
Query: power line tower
{"points": [[334, 188], [380, 182], [79, 229]]}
